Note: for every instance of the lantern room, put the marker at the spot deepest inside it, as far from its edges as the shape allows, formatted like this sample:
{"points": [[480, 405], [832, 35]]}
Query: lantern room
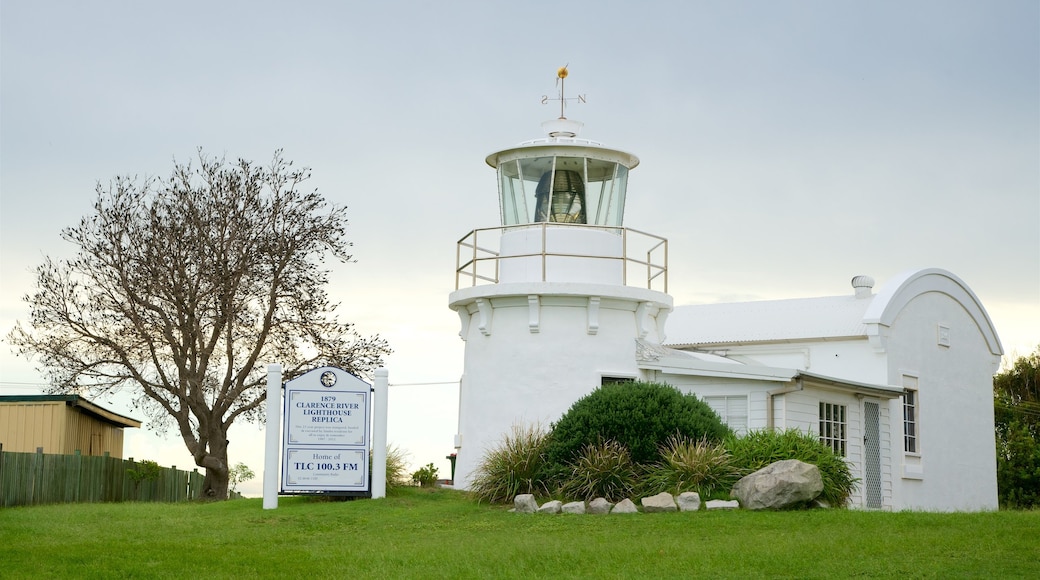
{"points": [[562, 179]]}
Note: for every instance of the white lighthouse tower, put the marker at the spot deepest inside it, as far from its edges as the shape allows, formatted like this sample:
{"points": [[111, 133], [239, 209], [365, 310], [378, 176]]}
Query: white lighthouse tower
{"points": [[556, 300]]}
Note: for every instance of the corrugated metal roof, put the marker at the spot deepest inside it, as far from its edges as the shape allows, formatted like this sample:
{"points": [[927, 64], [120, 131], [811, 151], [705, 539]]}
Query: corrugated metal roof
{"points": [[767, 321], [76, 401]]}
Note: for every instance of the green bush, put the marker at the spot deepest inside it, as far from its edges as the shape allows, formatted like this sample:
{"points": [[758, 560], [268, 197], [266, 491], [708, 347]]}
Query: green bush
{"points": [[692, 465], [640, 416], [146, 470], [603, 469], [512, 468], [426, 476], [1018, 466], [758, 449]]}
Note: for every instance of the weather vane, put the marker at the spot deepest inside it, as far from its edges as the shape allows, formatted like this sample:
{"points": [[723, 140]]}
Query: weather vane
{"points": [[561, 76]]}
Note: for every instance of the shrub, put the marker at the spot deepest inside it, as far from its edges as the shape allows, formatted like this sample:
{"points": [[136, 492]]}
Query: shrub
{"points": [[758, 449], [512, 468], [146, 470], [639, 416], [396, 468], [425, 476], [238, 474], [692, 465], [1018, 466], [603, 469]]}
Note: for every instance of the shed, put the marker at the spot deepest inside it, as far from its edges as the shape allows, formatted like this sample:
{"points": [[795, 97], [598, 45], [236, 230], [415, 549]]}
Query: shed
{"points": [[61, 425]]}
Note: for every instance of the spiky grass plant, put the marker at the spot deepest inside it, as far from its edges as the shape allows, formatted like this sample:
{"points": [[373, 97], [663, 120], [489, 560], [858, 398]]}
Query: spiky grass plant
{"points": [[692, 465], [758, 449], [513, 467], [603, 469], [396, 468]]}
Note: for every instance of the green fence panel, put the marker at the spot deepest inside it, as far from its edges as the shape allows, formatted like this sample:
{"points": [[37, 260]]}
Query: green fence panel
{"points": [[38, 478]]}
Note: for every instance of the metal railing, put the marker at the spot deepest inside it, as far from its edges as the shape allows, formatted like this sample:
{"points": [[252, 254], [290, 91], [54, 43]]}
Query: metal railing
{"points": [[478, 254]]}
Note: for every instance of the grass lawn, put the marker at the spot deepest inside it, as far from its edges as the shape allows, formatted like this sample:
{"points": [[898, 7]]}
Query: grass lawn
{"points": [[442, 534]]}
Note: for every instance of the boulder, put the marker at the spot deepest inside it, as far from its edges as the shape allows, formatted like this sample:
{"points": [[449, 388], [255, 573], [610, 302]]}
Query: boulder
{"points": [[721, 504], [574, 507], [600, 506], [525, 504], [780, 485], [551, 507], [625, 506], [662, 502], [689, 501]]}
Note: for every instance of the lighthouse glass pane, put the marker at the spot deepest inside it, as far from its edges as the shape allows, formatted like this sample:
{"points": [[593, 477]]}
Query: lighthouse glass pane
{"points": [[606, 192], [531, 172], [514, 210]]}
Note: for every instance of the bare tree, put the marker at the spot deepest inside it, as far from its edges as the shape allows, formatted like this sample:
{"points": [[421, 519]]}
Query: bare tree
{"points": [[184, 289]]}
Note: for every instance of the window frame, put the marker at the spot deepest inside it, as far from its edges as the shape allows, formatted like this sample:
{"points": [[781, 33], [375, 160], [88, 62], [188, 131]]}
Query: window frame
{"points": [[834, 427], [912, 423]]}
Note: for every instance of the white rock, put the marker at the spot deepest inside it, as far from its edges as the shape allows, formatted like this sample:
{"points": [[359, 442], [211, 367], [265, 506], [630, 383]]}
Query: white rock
{"points": [[600, 506], [721, 504], [625, 506], [551, 507], [779, 485], [689, 501], [574, 507], [525, 504], [662, 502]]}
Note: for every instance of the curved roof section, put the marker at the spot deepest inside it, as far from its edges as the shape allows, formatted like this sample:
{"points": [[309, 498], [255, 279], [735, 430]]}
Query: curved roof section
{"points": [[901, 289]]}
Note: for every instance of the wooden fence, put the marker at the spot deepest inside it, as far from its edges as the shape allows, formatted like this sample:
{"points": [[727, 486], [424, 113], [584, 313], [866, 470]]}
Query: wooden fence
{"points": [[38, 478]]}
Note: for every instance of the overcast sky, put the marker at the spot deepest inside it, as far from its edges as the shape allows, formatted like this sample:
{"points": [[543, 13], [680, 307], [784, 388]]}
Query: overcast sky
{"points": [[785, 146]]}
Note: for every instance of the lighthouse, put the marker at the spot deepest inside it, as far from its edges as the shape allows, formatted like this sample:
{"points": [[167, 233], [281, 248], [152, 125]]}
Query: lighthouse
{"points": [[558, 298]]}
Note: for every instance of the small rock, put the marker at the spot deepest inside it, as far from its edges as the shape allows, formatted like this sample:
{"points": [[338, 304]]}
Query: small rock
{"points": [[721, 504], [600, 506], [551, 507], [689, 501], [662, 502], [625, 506], [574, 507], [525, 504]]}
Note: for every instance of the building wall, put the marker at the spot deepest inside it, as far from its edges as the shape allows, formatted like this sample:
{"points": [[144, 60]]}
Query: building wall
{"points": [[956, 466], [514, 376], [58, 428], [801, 410]]}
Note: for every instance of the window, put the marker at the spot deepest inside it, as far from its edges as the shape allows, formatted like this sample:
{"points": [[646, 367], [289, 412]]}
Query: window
{"points": [[833, 427], [605, 380], [910, 421], [732, 409]]}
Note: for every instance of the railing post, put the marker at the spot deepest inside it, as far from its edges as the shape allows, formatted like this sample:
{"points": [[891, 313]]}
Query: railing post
{"points": [[624, 256], [473, 270]]}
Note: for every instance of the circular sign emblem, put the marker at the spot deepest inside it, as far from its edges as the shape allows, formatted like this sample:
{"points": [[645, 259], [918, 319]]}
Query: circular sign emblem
{"points": [[328, 378]]}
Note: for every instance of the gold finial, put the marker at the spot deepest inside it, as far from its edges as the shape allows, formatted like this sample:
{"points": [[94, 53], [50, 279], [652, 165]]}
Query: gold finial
{"points": [[561, 75]]}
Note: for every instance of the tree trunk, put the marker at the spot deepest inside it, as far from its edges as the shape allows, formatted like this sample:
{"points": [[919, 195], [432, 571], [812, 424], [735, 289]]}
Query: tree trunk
{"points": [[215, 485]]}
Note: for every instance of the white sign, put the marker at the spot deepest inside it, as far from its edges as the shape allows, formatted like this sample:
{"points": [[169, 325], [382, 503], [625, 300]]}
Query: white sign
{"points": [[326, 439]]}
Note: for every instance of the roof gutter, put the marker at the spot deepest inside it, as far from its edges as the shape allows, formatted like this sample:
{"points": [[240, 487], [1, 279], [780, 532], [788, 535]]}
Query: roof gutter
{"points": [[797, 386]]}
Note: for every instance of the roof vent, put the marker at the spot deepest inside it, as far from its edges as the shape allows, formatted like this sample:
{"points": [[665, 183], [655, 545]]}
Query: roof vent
{"points": [[863, 286]]}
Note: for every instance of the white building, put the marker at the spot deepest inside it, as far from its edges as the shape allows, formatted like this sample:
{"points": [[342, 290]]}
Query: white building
{"points": [[563, 297]]}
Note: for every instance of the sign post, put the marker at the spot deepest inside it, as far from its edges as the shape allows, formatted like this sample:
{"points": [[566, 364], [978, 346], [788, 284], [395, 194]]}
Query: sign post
{"points": [[327, 436], [274, 400]]}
